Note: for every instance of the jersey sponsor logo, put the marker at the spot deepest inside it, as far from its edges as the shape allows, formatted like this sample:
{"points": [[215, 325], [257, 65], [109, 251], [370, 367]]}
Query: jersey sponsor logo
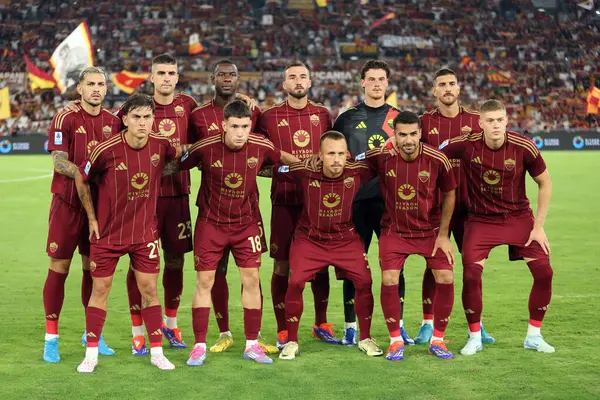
{"points": [[53, 247], [509, 164], [58, 138], [180, 111], [301, 138], [314, 119], [92, 266], [283, 122], [407, 192], [315, 184], [376, 140], [106, 131], [331, 200], [491, 177], [424, 176], [361, 156], [444, 144], [349, 182], [139, 180], [252, 162], [166, 127], [283, 168], [121, 167], [233, 180], [87, 168], [434, 131], [361, 125], [391, 173], [213, 127], [217, 164], [81, 129], [90, 145], [465, 130], [476, 160], [155, 159]]}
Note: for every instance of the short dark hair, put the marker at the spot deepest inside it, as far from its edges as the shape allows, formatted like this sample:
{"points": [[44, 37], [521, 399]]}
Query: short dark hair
{"points": [[222, 62], [406, 118], [138, 100], [374, 64], [236, 109], [491, 105], [333, 135], [164, 58], [295, 64], [443, 72]]}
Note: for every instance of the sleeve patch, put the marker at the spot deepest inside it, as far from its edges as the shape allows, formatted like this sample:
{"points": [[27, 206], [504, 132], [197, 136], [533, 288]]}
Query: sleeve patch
{"points": [[58, 138], [283, 168], [361, 156], [444, 144]]}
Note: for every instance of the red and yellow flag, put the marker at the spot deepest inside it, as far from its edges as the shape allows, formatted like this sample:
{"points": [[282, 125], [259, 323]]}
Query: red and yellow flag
{"points": [[128, 81], [381, 20], [38, 79], [593, 99]]}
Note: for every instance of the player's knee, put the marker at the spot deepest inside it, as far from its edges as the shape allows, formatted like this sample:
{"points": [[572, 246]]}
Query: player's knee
{"points": [[173, 261], [363, 284], [296, 284], [540, 269], [101, 287], [147, 287], [444, 276], [60, 266], [281, 267], [250, 279], [390, 278], [472, 275]]}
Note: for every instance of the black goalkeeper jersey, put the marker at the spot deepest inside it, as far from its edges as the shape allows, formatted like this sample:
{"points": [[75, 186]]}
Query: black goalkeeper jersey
{"points": [[366, 128]]}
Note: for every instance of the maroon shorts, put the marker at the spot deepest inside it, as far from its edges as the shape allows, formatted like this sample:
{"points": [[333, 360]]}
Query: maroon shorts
{"points": [[394, 250], [67, 230], [482, 235], [283, 224], [144, 257], [457, 228], [210, 241], [309, 256], [175, 224]]}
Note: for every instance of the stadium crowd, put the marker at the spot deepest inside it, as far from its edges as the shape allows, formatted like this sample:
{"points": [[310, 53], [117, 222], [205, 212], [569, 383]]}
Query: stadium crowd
{"points": [[539, 63]]}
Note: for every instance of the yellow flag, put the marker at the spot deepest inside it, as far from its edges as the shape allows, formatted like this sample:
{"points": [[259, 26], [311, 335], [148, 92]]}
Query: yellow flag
{"points": [[322, 3], [4, 104], [392, 100]]}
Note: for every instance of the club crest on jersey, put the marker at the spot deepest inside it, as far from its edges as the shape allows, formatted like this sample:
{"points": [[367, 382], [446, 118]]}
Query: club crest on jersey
{"points": [[349, 182], [301, 138], [58, 138], [180, 111], [314, 119], [106, 131], [155, 159], [252, 162], [53, 247], [166, 127], [491, 177], [331, 200], [90, 145], [407, 192], [510, 164], [283, 168], [465, 130], [424, 176], [139, 180]]}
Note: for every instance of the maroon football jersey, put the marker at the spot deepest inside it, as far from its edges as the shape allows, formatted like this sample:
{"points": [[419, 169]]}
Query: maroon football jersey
{"points": [[436, 129], [77, 133], [128, 187], [207, 120], [172, 121], [297, 132], [496, 178], [228, 189], [410, 190], [327, 211]]}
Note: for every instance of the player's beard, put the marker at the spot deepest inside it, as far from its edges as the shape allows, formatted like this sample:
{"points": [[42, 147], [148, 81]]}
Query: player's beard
{"points": [[448, 100], [412, 150], [298, 95], [92, 102]]}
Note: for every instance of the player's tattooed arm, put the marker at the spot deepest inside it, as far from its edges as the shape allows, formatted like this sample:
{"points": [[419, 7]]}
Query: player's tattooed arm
{"points": [[85, 196], [62, 165], [171, 167]]}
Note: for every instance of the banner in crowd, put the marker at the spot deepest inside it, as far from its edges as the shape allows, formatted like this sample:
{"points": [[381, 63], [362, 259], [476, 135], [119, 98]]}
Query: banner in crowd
{"points": [[405, 41], [15, 81], [74, 54], [567, 140], [350, 50], [128, 81], [30, 144]]}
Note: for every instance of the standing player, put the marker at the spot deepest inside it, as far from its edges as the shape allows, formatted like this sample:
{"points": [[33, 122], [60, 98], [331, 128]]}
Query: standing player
{"points": [[366, 126], [207, 120], [412, 224], [230, 163], [70, 139], [499, 213], [129, 168], [295, 126], [447, 121], [326, 236]]}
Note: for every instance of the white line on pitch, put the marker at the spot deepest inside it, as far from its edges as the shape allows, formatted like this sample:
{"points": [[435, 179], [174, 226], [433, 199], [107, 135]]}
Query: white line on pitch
{"points": [[30, 178]]}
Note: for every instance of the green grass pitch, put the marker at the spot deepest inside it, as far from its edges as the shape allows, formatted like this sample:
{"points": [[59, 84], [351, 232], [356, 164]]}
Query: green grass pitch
{"points": [[502, 371]]}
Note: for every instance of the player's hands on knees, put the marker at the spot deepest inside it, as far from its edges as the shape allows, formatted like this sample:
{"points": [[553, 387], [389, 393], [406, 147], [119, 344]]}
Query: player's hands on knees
{"points": [[538, 235], [250, 102], [72, 106], [314, 162], [94, 231], [442, 242], [391, 145]]}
